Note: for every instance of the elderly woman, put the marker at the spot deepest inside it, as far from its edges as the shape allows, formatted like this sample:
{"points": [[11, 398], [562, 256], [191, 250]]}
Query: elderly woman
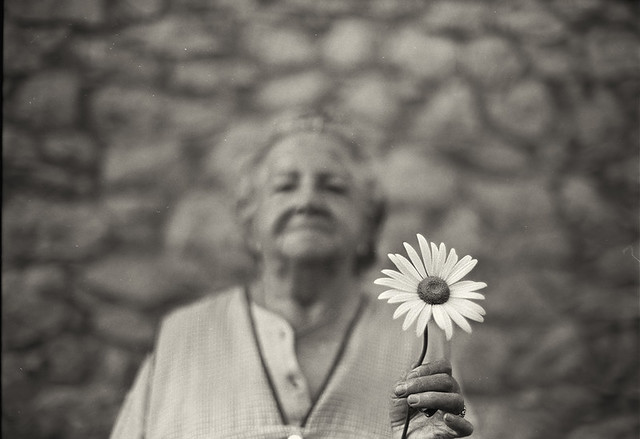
{"points": [[301, 351]]}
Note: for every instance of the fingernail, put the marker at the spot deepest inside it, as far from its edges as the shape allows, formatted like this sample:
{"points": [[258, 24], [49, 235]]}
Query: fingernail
{"points": [[400, 389], [413, 399], [412, 375]]}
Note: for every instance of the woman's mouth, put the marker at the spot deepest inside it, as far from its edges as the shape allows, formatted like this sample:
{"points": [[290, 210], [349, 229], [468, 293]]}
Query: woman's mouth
{"points": [[303, 221]]}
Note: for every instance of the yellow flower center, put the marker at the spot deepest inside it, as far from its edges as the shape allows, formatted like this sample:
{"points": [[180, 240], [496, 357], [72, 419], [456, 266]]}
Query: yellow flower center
{"points": [[433, 290]]}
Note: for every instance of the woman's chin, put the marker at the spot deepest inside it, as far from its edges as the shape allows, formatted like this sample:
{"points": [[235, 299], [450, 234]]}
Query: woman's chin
{"points": [[310, 250], [311, 245]]}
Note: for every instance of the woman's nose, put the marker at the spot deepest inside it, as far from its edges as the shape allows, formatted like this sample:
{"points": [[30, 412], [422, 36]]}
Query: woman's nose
{"points": [[308, 196]]}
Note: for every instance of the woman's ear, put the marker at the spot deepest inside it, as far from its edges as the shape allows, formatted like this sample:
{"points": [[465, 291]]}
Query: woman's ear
{"points": [[366, 252]]}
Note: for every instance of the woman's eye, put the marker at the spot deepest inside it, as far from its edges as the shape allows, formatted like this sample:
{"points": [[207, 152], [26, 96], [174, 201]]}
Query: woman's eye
{"points": [[283, 186], [336, 187]]}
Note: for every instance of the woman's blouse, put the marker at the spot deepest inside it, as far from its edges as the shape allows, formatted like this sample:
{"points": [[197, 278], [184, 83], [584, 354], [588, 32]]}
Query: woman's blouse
{"points": [[220, 371]]}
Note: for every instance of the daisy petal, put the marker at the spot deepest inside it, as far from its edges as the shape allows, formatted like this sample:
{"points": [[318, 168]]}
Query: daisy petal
{"points": [[403, 269], [443, 320], [474, 306], [475, 317], [391, 283], [426, 254], [449, 264], [415, 260], [410, 283], [406, 306], [388, 294], [467, 285], [435, 256], [468, 309], [402, 297], [409, 267], [462, 268], [424, 318], [442, 257], [412, 315], [457, 317], [467, 295]]}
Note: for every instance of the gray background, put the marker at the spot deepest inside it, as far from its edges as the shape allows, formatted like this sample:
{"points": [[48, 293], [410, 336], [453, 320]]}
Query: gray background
{"points": [[507, 129]]}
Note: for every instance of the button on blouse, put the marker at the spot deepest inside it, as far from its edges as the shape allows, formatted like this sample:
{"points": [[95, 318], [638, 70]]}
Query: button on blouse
{"points": [[277, 340]]}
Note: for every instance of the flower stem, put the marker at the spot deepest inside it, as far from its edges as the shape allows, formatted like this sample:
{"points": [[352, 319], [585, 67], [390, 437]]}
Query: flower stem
{"points": [[430, 412], [425, 343]]}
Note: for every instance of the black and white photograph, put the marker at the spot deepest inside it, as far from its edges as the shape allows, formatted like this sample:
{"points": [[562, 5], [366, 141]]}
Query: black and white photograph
{"points": [[321, 219]]}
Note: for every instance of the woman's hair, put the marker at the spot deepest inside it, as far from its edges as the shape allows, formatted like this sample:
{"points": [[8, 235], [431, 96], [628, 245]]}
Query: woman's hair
{"points": [[314, 122]]}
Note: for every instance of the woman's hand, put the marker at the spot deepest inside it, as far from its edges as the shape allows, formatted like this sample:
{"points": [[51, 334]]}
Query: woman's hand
{"points": [[429, 386]]}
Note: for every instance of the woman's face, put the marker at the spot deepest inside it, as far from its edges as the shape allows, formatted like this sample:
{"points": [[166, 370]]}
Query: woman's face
{"points": [[309, 201]]}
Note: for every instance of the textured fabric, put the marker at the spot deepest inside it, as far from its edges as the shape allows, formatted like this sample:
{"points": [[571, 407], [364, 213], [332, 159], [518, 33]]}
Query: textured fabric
{"points": [[277, 342], [206, 379]]}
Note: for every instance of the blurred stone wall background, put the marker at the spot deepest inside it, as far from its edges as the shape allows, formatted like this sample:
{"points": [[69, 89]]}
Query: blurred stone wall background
{"points": [[507, 129]]}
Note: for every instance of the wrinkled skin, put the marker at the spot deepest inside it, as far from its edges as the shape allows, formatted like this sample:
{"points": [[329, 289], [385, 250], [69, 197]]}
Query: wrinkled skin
{"points": [[429, 386]]}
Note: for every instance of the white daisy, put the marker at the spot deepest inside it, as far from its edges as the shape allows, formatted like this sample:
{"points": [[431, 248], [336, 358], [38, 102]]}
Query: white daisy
{"points": [[431, 286]]}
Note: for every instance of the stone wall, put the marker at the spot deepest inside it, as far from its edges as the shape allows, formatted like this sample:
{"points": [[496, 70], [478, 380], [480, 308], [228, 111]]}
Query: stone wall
{"points": [[507, 129]]}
